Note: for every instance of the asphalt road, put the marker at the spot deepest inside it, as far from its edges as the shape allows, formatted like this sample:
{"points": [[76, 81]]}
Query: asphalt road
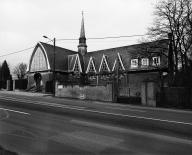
{"points": [[46, 125]]}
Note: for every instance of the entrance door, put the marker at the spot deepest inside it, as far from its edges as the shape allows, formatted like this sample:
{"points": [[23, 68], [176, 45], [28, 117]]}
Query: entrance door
{"points": [[148, 93], [37, 78]]}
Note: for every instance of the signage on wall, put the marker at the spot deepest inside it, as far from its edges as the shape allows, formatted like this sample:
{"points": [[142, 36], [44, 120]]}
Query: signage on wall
{"points": [[60, 86]]}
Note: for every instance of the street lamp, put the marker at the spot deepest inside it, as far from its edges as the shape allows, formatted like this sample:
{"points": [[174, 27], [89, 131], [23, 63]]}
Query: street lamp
{"points": [[53, 62]]}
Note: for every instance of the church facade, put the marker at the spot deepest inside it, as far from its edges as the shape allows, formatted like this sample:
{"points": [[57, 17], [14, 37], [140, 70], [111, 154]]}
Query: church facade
{"points": [[40, 69], [127, 68]]}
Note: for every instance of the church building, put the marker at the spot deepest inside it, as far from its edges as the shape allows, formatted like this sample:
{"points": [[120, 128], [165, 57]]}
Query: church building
{"points": [[127, 68]]}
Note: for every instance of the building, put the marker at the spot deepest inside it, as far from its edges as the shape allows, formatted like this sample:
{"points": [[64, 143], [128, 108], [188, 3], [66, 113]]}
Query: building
{"points": [[40, 69], [127, 68]]}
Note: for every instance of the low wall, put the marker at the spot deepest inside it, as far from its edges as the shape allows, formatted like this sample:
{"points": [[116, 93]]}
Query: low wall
{"points": [[100, 93], [178, 97], [21, 84]]}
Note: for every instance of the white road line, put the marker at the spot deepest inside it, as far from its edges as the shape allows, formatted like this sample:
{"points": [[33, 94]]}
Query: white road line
{"points": [[102, 112], [127, 109], [140, 117], [20, 112]]}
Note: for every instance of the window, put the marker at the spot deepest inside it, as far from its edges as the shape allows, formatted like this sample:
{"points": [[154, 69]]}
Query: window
{"points": [[118, 62], [156, 61], [91, 66], [76, 68], [145, 62], [39, 61], [77, 65], [134, 63], [71, 61], [104, 66]]}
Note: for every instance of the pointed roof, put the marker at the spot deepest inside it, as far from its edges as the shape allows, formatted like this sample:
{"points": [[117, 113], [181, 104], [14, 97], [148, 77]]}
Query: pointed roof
{"points": [[126, 53], [61, 54], [82, 33]]}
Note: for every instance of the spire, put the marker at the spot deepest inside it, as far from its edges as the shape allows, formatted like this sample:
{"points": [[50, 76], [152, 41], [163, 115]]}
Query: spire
{"points": [[82, 33], [82, 47]]}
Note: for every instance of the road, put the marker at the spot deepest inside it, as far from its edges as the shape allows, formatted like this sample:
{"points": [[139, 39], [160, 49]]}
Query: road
{"points": [[46, 125]]}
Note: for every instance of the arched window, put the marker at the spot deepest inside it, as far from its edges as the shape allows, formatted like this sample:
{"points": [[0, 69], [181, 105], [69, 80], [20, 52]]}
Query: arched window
{"points": [[38, 62]]}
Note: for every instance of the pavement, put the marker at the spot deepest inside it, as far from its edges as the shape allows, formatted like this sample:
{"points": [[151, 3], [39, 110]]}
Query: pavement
{"points": [[48, 95], [81, 127]]}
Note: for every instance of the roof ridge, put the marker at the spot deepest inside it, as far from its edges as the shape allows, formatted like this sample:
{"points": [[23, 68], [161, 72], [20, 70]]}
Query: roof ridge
{"points": [[57, 46], [129, 45]]}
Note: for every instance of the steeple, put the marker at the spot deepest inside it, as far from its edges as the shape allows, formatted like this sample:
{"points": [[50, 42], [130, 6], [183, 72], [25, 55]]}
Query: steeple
{"points": [[82, 33], [82, 47]]}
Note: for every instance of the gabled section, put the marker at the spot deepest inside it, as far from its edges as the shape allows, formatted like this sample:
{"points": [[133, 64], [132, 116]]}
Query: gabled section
{"points": [[104, 67], [119, 60], [39, 59], [91, 66], [77, 65], [71, 61]]}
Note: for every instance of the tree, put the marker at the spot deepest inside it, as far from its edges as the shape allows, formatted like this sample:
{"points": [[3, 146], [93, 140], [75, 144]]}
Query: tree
{"points": [[175, 17], [5, 72], [20, 70]]}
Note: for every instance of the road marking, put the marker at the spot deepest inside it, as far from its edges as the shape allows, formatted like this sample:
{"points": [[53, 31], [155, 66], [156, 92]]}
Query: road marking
{"points": [[128, 109], [140, 117], [20, 112], [99, 112]]}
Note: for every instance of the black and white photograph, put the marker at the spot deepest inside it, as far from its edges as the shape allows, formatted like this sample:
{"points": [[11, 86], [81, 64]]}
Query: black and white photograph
{"points": [[95, 77]]}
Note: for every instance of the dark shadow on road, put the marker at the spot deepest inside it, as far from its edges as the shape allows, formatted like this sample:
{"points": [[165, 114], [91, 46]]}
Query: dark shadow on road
{"points": [[6, 152]]}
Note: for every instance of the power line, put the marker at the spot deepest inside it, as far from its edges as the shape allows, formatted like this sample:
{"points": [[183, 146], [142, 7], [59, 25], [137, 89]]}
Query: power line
{"points": [[99, 38], [17, 52], [111, 37], [115, 37], [20, 51]]}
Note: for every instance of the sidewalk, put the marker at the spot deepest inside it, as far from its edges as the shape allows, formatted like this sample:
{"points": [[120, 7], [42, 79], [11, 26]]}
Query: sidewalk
{"points": [[121, 105], [24, 93]]}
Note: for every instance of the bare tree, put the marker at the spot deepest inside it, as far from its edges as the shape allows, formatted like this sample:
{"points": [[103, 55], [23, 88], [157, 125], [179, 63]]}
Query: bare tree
{"points": [[20, 70], [175, 17]]}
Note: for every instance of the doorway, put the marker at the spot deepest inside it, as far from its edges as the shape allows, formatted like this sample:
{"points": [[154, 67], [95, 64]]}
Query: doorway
{"points": [[38, 78]]}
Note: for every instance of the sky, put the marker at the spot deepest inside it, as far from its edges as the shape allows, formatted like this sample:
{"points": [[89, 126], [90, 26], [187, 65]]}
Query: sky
{"points": [[24, 22]]}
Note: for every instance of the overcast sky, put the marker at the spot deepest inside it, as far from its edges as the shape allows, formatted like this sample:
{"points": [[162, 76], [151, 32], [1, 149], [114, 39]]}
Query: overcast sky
{"points": [[24, 22]]}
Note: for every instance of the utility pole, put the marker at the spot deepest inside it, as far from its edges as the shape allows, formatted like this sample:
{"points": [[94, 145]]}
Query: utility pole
{"points": [[54, 78], [54, 75], [116, 82], [117, 77]]}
